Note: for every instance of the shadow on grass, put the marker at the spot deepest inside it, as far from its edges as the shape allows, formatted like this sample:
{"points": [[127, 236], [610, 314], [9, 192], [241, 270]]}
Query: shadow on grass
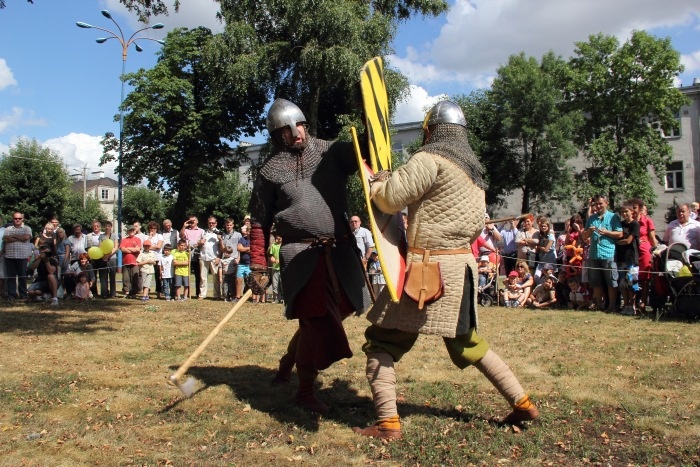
{"points": [[41, 318], [252, 384]]}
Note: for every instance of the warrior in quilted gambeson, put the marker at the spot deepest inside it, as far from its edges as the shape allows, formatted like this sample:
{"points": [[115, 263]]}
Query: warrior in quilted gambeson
{"points": [[301, 189], [443, 188]]}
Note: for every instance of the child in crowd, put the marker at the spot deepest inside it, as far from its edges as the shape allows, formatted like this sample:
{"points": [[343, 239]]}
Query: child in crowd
{"points": [[627, 259], [544, 295], [548, 270], [374, 269], [546, 250], [561, 289], [512, 293], [486, 271], [165, 264], [146, 262], [227, 274], [82, 288], [274, 253], [181, 263], [579, 297]]}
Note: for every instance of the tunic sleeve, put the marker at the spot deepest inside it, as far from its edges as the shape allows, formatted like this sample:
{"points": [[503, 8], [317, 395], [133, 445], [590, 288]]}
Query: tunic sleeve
{"points": [[407, 184]]}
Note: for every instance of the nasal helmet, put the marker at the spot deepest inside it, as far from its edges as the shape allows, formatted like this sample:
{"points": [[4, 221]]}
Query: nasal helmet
{"points": [[445, 112], [283, 113]]}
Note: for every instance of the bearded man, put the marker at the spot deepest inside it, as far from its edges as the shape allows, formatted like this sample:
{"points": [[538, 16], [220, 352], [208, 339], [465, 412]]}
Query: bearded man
{"points": [[442, 186], [302, 190]]}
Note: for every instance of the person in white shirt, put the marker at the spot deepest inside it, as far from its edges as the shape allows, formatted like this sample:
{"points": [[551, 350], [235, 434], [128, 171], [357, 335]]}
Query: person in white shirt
{"points": [[684, 229], [363, 237], [209, 258]]}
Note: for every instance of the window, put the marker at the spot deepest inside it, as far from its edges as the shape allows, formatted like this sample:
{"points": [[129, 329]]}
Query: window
{"points": [[665, 132], [674, 176], [104, 194]]}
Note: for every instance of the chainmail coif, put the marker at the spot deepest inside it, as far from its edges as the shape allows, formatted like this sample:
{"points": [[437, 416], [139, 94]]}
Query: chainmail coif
{"points": [[450, 141]]}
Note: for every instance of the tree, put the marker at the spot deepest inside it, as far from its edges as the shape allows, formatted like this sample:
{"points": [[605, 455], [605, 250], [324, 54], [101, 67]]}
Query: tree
{"points": [[182, 113], [627, 94], [310, 51], [74, 213], [225, 197], [35, 182], [143, 205], [523, 133]]}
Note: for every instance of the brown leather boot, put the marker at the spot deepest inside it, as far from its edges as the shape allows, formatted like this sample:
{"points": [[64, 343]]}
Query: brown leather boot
{"points": [[524, 411], [388, 429], [306, 396], [287, 362]]}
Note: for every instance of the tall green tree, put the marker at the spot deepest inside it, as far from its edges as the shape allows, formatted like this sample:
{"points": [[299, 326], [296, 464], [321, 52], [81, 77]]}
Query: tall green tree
{"points": [[523, 132], [311, 50], [35, 182], [143, 204], [626, 93], [75, 211], [225, 197], [182, 113]]}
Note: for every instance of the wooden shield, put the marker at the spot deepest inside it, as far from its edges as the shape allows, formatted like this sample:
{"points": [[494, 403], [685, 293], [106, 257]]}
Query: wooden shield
{"points": [[376, 107], [387, 229]]}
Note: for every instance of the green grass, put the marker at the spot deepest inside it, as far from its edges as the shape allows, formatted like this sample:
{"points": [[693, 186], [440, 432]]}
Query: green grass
{"points": [[86, 385]]}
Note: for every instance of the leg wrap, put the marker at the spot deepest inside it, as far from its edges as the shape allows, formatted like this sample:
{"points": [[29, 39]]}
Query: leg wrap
{"points": [[501, 377], [382, 382]]}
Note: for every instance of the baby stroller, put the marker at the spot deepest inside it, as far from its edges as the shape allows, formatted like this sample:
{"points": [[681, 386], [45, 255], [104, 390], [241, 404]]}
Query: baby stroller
{"points": [[488, 294], [682, 272]]}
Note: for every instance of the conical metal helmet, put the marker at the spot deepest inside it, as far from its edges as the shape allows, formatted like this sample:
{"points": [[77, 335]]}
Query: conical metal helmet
{"points": [[445, 112], [284, 113]]}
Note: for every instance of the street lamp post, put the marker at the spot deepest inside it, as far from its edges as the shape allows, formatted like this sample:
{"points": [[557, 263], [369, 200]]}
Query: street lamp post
{"points": [[125, 43]]}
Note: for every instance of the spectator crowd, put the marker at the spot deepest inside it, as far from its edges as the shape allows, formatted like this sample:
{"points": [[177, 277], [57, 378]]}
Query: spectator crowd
{"points": [[602, 260], [160, 261]]}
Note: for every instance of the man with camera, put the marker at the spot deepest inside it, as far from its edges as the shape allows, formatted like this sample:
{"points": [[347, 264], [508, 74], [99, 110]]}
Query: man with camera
{"points": [[46, 266]]}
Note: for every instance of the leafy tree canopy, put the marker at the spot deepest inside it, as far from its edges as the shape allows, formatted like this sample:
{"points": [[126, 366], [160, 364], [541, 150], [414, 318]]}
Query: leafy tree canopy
{"points": [[143, 205], [35, 182], [523, 133], [182, 113], [626, 92]]}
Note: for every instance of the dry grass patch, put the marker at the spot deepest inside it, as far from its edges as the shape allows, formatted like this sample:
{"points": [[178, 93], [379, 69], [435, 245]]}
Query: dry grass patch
{"points": [[86, 385]]}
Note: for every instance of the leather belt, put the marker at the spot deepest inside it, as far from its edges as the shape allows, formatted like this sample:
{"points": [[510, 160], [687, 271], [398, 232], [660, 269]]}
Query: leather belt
{"points": [[424, 252]]}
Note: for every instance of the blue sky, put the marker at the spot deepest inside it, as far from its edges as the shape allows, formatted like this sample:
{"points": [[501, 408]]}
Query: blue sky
{"points": [[59, 86]]}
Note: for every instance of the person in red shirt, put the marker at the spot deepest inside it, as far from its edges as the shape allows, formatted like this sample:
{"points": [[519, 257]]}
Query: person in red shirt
{"points": [[130, 248]]}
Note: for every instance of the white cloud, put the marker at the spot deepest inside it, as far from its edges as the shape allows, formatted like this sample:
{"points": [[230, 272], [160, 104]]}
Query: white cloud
{"points": [[691, 61], [414, 108], [192, 13], [19, 117], [80, 150], [479, 35], [7, 79]]}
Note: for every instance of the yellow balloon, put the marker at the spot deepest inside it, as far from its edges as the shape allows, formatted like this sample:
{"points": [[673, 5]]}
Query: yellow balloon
{"points": [[107, 246], [94, 252]]}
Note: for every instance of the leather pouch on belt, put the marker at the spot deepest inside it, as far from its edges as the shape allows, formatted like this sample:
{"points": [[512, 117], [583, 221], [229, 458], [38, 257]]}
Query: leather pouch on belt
{"points": [[424, 281]]}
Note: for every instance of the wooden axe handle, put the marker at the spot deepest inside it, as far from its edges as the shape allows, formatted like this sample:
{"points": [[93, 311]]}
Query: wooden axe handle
{"points": [[503, 219], [188, 363]]}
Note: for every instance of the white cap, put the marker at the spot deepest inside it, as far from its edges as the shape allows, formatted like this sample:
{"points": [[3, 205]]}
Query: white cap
{"points": [[484, 258]]}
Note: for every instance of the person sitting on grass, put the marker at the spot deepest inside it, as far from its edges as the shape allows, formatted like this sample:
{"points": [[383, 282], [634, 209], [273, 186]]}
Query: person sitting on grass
{"points": [[579, 297], [146, 262], [512, 293], [525, 280], [46, 266], [82, 288], [562, 291], [544, 295]]}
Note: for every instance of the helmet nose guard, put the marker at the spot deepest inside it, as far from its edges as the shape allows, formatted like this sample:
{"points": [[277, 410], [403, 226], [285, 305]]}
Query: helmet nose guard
{"points": [[284, 113], [445, 112]]}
